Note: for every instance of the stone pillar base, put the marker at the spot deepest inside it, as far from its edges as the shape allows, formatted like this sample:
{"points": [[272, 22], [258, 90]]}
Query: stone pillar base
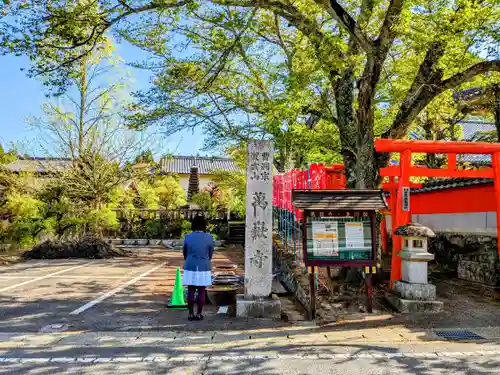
{"points": [[269, 308], [413, 306], [419, 292]]}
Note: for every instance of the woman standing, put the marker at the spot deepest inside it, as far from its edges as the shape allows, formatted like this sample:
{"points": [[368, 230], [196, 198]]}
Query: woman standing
{"points": [[198, 250]]}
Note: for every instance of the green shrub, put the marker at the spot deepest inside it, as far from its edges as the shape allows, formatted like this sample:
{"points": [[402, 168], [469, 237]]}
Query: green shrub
{"points": [[154, 229], [204, 200]]}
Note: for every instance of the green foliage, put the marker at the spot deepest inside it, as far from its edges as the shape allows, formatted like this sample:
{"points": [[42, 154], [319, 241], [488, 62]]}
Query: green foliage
{"points": [[7, 157], [103, 219], [185, 227], [27, 219], [154, 229], [322, 79], [144, 157], [232, 188], [170, 192], [147, 196], [204, 201], [23, 205]]}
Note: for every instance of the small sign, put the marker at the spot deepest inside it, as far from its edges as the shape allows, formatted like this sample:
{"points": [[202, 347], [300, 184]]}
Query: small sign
{"points": [[325, 238], [406, 199], [354, 235]]}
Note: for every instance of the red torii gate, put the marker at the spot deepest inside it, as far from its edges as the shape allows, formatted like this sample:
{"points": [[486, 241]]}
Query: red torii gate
{"points": [[403, 172]]}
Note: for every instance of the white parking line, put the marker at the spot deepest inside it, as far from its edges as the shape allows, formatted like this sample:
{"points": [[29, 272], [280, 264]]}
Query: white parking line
{"points": [[43, 277], [114, 291]]}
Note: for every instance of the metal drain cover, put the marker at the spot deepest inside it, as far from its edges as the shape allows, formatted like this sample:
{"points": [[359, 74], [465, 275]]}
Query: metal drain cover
{"points": [[459, 335]]}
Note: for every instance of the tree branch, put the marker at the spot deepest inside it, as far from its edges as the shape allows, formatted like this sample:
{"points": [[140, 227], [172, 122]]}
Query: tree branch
{"points": [[470, 73], [348, 23], [388, 32], [429, 84]]}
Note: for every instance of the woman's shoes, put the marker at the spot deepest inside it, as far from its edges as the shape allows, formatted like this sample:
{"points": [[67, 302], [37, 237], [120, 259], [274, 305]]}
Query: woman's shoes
{"points": [[192, 317]]}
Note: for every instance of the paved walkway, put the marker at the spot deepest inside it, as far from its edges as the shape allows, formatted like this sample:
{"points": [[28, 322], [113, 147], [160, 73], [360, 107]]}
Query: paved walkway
{"points": [[296, 350]]}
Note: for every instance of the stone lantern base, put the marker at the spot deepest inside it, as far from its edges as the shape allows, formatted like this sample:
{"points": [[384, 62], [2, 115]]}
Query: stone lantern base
{"points": [[411, 297]]}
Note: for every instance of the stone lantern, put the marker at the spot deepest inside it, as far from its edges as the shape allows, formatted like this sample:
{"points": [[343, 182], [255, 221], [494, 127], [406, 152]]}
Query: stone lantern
{"points": [[414, 254], [413, 293]]}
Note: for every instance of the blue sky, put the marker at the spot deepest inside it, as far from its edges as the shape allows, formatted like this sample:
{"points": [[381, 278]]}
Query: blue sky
{"points": [[21, 97]]}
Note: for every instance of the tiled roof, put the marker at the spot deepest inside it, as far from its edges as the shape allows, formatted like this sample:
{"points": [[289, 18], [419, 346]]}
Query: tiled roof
{"points": [[205, 164], [451, 183], [471, 129], [349, 200], [39, 165]]}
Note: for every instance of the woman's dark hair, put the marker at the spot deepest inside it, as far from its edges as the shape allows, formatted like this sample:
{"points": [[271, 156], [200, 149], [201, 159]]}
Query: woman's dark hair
{"points": [[199, 224]]}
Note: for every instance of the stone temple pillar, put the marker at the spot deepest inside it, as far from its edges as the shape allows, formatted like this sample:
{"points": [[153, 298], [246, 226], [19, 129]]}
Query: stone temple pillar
{"points": [[257, 301]]}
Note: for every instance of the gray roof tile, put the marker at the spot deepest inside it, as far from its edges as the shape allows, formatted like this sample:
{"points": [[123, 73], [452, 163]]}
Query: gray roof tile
{"points": [[205, 164], [39, 165], [472, 129], [451, 183], [348, 200]]}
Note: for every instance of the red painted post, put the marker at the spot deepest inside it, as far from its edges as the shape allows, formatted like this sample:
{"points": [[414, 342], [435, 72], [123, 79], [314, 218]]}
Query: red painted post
{"points": [[401, 217], [496, 167], [452, 162]]}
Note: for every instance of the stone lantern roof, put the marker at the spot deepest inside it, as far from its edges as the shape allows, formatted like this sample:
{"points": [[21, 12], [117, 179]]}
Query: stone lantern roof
{"points": [[414, 230]]}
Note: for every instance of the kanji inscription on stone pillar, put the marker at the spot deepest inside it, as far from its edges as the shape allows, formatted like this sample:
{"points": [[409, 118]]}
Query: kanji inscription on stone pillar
{"points": [[258, 233]]}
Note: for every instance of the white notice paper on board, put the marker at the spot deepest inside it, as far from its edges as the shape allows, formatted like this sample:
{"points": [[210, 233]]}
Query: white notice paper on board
{"points": [[354, 235], [325, 238]]}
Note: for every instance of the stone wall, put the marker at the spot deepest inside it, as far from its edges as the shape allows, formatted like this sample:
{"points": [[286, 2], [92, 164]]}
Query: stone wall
{"points": [[470, 256], [291, 276]]}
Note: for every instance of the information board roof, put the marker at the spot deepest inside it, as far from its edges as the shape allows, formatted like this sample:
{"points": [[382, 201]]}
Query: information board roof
{"points": [[339, 200]]}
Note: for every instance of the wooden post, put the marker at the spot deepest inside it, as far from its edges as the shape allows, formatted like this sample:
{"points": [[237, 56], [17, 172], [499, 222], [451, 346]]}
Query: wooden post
{"points": [[369, 290], [496, 168], [312, 286], [304, 235], [370, 270], [329, 271]]}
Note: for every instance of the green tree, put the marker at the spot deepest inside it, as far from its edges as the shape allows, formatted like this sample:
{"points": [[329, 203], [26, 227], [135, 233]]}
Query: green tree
{"points": [[204, 201], [84, 126], [232, 185], [147, 196], [382, 61], [144, 157], [170, 192], [85, 120]]}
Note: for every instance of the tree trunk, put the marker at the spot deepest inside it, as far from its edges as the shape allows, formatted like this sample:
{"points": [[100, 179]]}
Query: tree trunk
{"points": [[361, 164], [496, 108], [430, 159], [83, 106], [343, 88], [356, 136]]}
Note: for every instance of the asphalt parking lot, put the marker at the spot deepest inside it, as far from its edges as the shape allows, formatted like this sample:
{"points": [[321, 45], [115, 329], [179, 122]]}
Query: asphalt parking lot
{"points": [[95, 295]]}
